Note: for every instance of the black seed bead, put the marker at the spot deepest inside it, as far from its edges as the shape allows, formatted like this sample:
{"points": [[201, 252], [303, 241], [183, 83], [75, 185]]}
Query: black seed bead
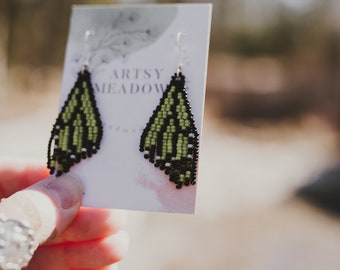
{"points": [[175, 176]]}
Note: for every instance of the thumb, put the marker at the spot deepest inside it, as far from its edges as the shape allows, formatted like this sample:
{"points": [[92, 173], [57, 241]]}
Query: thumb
{"points": [[48, 206]]}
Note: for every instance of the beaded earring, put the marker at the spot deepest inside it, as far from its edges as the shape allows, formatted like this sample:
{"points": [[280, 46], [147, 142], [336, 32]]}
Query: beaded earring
{"points": [[170, 138], [78, 130]]}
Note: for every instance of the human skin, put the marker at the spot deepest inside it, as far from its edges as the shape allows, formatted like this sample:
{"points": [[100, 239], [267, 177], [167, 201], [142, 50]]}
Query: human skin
{"points": [[93, 240]]}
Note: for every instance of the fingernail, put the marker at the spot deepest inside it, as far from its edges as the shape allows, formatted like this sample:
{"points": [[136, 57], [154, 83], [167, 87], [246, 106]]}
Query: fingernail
{"points": [[67, 190]]}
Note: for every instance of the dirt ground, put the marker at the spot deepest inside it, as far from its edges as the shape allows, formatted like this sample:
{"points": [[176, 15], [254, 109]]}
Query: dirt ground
{"points": [[247, 215]]}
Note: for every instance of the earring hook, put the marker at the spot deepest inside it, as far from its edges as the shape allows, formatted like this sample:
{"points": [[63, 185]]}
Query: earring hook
{"points": [[88, 34], [180, 47]]}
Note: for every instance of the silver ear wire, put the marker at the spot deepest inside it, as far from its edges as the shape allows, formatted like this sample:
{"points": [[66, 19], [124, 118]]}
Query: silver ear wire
{"points": [[180, 47], [87, 35]]}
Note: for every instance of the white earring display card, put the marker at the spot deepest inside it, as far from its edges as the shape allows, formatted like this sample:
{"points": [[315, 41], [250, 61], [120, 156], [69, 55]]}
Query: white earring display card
{"points": [[147, 159]]}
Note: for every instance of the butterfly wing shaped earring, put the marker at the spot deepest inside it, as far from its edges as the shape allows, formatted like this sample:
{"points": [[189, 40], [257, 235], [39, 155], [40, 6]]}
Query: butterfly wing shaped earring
{"points": [[78, 129], [170, 138]]}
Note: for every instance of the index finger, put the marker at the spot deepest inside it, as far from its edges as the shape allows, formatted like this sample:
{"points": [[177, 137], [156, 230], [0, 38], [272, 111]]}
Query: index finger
{"points": [[13, 180]]}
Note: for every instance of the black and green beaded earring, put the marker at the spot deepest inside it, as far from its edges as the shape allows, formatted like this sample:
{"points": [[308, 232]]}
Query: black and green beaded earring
{"points": [[170, 138], [78, 130]]}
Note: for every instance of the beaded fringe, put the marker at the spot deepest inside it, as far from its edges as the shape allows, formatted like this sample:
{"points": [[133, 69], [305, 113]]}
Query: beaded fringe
{"points": [[78, 130], [170, 139]]}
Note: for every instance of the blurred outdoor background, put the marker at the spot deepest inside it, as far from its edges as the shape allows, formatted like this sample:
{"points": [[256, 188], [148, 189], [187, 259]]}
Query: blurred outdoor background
{"points": [[271, 129]]}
